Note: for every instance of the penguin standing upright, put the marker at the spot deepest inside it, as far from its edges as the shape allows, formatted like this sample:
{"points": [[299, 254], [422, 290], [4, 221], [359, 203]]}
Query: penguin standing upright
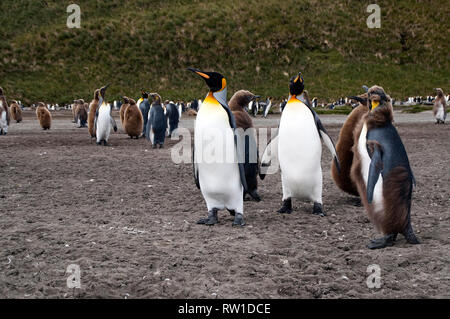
{"points": [[344, 147], [4, 114], [133, 121], [237, 105], [439, 110], [44, 116], [267, 107], [81, 113], [382, 173], [103, 119], [173, 117], [221, 179], [144, 106], [16, 111], [123, 108], [300, 150], [92, 111], [157, 122]]}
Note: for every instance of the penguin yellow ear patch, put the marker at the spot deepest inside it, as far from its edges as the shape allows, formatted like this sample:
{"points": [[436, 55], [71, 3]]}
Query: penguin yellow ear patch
{"points": [[375, 104], [224, 83]]}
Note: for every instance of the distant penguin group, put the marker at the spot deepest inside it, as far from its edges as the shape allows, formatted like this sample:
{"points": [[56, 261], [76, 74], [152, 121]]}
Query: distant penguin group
{"points": [[44, 116]]}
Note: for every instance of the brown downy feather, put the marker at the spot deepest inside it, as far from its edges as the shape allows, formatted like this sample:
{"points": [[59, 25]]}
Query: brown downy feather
{"points": [[44, 116], [16, 111], [440, 98], [237, 104], [92, 110], [123, 108], [133, 120], [344, 150]]}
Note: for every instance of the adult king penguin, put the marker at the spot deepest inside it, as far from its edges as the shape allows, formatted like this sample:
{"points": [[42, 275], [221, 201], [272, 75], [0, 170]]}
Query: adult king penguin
{"points": [[144, 106], [4, 114], [439, 111], [300, 149], [155, 130], [103, 119], [220, 179], [382, 173]]}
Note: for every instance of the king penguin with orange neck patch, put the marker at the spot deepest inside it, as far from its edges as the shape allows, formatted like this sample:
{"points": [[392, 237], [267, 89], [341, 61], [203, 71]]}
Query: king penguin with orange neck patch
{"points": [[219, 173], [300, 149]]}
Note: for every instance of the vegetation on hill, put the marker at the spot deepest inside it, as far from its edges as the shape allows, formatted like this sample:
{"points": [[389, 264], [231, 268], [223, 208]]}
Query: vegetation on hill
{"points": [[256, 44]]}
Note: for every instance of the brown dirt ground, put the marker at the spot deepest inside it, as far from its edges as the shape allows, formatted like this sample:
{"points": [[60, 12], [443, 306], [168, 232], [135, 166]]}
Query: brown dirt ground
{"points": [[126, 214]]}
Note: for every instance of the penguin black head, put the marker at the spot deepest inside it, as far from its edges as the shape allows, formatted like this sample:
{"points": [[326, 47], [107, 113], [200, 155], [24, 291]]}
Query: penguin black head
{"points": [[215, 81], [439, 91], [103, 91], [1, 91], [144, 94], [377, 97], [126, 100], [296, 84]]}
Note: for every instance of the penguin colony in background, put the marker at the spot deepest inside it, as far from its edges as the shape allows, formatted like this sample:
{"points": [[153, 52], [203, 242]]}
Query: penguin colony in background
{"points": [[369, 160], [44, 116]]}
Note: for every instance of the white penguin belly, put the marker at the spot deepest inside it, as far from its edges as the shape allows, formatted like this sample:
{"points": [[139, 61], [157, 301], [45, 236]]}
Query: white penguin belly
{"points": [[103, 124], [299, 153], [365, 165], [216, 159], [3, 122], [440, 112]]}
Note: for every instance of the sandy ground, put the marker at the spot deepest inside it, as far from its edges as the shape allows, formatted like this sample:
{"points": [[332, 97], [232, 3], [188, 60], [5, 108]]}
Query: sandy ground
{"points": [[126, 215]]}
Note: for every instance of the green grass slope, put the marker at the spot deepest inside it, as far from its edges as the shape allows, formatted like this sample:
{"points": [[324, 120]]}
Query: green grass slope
{"points": [[256, 44]]}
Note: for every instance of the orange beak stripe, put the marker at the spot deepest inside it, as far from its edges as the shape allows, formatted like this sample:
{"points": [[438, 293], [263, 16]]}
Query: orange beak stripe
{"points": [[206, 76]]}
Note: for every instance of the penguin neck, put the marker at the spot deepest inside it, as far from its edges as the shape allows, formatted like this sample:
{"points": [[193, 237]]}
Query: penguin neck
{"points": [[219, 96]]}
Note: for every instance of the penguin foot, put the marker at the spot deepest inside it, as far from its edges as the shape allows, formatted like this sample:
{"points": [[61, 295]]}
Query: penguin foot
{"points": [[232, 212], [287, 207], [161, 145], [238, 220], [318, 210], [382, 242], [254, 194], [154, 146], [211, 219]]}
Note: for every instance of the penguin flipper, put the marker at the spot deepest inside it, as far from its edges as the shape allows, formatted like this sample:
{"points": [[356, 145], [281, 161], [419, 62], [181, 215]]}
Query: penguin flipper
{"points": [[375, 168], [195, 167], [113, 123], [239, 154], [324, 135], [270, 153]]}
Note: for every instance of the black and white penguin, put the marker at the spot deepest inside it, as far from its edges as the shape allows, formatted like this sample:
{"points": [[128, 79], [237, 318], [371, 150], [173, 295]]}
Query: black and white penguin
{"points": [[300, 149], [4, 114], [103, 119], [382, 173], [173, 117], [267, 107], [282, 105], [155, 130], [144, 105], [218, 164], [439, 108]]}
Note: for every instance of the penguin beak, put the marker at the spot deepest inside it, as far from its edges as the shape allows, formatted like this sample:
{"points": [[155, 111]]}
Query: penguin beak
{"points": [[200, 73], [357, 98]]}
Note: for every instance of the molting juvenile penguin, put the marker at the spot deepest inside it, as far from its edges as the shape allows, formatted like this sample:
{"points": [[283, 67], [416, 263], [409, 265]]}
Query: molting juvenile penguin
{"points": [[344, 147], [300, 149], [4, 114], [439, 110], [382, 173], [81, 113], [237, 105], [133, 120], [44, 116], [219, 176], [173, 117], [155, 130], [144, 106], [103, 119], [16, 111], [92, 111], [123, 108]]}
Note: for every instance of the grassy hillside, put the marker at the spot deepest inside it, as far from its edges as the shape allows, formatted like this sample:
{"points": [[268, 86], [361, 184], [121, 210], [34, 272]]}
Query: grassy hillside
{"points": [[256, 44]]}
